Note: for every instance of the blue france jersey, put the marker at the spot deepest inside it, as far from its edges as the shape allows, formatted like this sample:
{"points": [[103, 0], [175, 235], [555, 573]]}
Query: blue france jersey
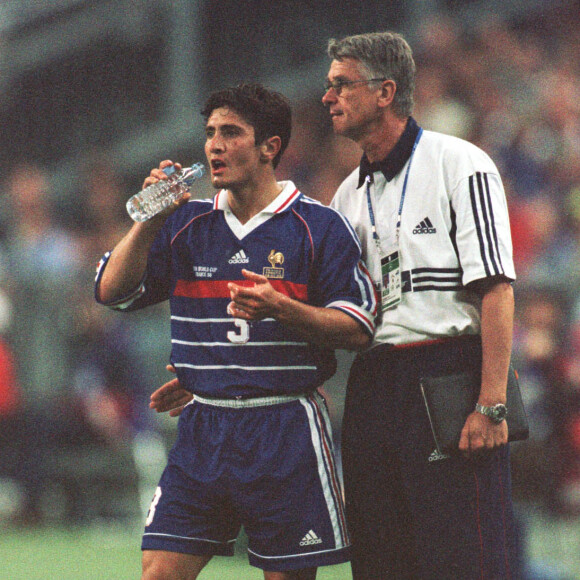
{"points": [[308, 252]]}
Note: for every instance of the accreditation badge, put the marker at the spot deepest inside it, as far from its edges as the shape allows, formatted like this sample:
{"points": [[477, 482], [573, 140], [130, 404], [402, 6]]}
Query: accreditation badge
{"points": [[391, 291]]}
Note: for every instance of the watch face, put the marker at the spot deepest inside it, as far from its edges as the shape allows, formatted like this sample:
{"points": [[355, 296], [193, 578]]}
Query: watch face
{"points": [[499, 413]]}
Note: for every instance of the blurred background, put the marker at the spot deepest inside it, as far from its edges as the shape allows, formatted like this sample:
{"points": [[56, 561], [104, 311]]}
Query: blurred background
{"points": [[94, 93]]}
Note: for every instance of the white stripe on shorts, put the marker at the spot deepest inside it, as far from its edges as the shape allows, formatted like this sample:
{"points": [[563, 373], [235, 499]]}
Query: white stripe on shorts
{"points": [[322, 443]]}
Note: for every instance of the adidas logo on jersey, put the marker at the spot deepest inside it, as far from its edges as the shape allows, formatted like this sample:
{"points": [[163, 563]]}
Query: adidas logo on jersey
{"points": [[239, 258], [425, 227], [310, 538]]}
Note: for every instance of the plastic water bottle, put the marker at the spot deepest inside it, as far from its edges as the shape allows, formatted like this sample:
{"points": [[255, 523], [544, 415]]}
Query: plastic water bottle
{"points": [[155, 198]]}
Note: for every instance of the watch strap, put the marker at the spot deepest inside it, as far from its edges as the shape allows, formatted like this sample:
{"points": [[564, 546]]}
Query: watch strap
{"points": [[496, 413]]}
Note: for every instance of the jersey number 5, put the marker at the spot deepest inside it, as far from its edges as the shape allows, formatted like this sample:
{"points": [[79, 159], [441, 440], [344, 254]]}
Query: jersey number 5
{"points": [[244, 332]]}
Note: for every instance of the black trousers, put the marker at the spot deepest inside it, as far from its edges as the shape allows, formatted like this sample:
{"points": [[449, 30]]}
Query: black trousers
{"points": [[412, 513]]}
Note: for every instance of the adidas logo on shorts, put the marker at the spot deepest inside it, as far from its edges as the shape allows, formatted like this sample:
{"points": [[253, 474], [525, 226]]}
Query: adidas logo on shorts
{"points": [[425, 227], [310, 538], [239, 258]]}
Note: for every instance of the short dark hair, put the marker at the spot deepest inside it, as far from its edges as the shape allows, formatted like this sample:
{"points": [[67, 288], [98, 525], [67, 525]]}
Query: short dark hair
{"points": [[268, 112]]}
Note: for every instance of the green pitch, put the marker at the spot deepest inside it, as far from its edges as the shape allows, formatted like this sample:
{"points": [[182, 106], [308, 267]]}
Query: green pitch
{"points": [[105, 553], [112, 553]]}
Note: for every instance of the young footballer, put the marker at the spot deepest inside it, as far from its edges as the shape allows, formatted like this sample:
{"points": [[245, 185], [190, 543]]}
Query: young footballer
{"points": [[263, 283]]}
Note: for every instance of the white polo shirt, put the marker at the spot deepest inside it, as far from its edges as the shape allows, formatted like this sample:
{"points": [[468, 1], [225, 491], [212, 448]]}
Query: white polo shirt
{"points": [[454, 230]]}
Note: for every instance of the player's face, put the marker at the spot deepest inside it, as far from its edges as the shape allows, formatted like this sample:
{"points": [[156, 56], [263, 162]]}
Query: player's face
{"points": [[353, 109], [230, 148]]}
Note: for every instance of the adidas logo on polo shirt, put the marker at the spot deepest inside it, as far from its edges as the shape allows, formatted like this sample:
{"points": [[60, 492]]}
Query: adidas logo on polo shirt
{"points": [[425, 227], [239, 258], [310, 538]]}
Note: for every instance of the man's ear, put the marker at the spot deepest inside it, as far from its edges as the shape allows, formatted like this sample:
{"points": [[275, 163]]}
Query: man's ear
{"points": [[388, 90], [270, 148]]}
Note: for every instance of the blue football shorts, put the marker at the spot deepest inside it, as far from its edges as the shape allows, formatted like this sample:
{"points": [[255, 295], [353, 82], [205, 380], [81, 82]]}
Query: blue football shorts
{"points": [[265, 464]]}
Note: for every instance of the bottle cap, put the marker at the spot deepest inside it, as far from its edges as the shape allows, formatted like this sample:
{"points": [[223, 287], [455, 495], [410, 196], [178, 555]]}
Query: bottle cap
{"points": [[190, 174]]}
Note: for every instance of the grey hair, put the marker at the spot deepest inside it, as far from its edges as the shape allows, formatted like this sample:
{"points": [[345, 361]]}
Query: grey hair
{"points": [[382, 55]]}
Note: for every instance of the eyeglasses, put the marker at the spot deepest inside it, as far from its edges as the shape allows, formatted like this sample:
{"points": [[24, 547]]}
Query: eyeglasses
{"points": [[338, 85]]}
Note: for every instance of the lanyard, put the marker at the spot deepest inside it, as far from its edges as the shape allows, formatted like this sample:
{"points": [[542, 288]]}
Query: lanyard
{"points": [[376, 237]]}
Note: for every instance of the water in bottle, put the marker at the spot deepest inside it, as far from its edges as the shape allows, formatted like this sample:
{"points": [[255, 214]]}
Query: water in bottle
{"points": [[155, 198]]}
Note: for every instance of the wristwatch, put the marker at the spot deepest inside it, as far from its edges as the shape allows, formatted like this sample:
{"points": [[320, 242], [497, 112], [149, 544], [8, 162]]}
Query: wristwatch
{"points": [[497, 413]]}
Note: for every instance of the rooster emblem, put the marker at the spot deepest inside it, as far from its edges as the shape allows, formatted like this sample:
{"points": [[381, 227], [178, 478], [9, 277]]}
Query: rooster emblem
{"points": [[276, 259]]}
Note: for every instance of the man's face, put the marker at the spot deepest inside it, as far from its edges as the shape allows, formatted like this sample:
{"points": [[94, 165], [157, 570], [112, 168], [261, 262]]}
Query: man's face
{"points": [[353, 108], [230, 148]]}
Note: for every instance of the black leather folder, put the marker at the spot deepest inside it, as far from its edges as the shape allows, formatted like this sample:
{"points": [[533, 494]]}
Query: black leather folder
{"points": [[450, 399]]}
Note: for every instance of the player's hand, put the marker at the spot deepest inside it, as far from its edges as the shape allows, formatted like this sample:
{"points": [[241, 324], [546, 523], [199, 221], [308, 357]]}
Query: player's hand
{"points": [[157, 174], [170, 397], [480, 435], [253, 302]]}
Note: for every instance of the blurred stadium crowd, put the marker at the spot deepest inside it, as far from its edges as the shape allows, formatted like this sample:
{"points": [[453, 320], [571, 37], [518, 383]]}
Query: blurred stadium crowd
{"points": [[78, 441]]}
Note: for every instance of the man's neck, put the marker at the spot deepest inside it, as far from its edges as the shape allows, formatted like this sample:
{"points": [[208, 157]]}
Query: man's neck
{"points": [[249, 200], [378, 144]]}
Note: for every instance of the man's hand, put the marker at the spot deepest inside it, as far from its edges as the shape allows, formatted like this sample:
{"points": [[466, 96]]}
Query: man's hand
{"points": [[256, 302], [156, 175], [128, 262], [327, 327], [170, 397], [481, 434]]}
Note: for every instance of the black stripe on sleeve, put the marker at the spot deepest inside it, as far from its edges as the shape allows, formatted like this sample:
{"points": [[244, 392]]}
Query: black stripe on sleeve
{"points": [[478, 227], [494, 229], [488, 222]]}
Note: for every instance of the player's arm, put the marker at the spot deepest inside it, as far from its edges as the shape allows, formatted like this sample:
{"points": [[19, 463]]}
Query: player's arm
{"points": [[327, 327], [497, 312], [127, 264]]}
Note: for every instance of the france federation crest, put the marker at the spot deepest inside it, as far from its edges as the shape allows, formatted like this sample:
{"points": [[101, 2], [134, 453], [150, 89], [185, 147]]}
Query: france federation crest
{"points": [[275, 258]]}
